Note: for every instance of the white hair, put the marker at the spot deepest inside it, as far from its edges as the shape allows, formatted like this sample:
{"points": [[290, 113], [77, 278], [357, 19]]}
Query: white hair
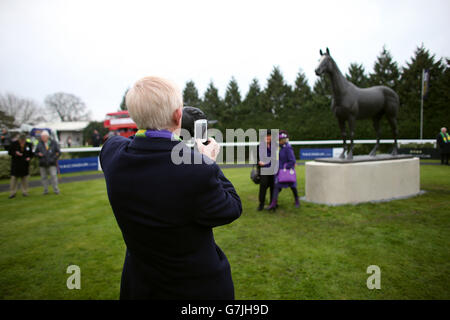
{"points": [[152, 102], [45, 133]]}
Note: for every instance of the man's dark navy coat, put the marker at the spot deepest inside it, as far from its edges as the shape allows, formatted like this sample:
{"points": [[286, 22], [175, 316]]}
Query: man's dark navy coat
{"points": [[166, 213]]}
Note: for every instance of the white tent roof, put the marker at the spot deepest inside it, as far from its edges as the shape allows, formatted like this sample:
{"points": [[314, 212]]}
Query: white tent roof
{"points": [[64, 126]]}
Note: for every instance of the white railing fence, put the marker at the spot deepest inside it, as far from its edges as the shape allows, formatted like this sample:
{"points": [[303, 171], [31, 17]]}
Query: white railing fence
{"points": [[294, 143]]}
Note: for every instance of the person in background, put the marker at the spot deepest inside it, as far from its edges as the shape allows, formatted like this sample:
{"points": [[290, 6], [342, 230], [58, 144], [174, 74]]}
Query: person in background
{"points": [[443, 141], [69, 141], [27, 137], [96, 139], [48, 152], [5, 139], [286, 160], [267, 181], [21, 153], [35, 141]]}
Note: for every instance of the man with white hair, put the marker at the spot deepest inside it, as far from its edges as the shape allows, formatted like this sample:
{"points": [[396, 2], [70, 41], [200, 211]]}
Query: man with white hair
{"points": [[443, 141], [166, 210], [48, 153]]}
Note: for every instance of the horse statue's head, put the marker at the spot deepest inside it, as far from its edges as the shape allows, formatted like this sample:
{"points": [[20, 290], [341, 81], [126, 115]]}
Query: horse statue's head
{"points": [[325, 63]]}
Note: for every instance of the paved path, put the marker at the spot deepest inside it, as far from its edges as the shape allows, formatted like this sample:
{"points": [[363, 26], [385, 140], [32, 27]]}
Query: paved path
{"points": [[37, 183]]}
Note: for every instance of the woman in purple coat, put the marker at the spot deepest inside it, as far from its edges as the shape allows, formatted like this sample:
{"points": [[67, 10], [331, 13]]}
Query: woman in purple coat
{"points": [[286, 159]]}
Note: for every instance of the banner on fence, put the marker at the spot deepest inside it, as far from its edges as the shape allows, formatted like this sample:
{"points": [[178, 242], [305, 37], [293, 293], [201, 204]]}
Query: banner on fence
{"points": [[77, 165], [311, 154], [422, 153]]}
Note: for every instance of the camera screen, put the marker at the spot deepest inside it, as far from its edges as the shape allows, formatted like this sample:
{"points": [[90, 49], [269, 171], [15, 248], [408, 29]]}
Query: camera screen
{"points": [[201, 130]]}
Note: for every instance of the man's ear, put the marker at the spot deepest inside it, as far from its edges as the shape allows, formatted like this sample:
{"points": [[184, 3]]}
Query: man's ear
{"points": [[177, 116]]}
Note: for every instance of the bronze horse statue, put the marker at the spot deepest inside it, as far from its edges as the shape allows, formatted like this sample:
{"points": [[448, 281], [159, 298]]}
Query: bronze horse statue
{"points": [[351, 103]]}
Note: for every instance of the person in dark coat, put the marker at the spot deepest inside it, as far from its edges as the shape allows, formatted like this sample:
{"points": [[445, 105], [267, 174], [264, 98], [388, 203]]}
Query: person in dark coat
{"points": [[48, 153], [286, 159], [5, 139], [21, 153], [443, 142], [167, 209], [267, 181], [96, 139]]}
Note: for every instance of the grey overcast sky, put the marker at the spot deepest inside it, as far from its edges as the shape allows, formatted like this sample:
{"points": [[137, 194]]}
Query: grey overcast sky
{"points": [[96, 49]]}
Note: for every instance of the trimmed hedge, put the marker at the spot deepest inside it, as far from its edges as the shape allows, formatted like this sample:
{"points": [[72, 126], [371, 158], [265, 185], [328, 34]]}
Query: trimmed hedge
{"points": [[5, 167]]}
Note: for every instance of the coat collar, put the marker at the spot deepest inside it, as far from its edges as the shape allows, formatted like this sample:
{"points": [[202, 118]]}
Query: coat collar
{"points": [[144, 143]]}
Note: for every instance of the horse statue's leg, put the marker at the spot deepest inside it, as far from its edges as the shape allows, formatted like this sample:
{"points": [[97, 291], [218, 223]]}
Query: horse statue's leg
{"points": [[392, 105], [393, 122], [351, 125], [376, 126], [344, 136]]}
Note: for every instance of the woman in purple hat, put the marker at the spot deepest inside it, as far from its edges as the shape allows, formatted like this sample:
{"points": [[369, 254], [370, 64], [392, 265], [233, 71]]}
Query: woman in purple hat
{"points": [[285, 177]]}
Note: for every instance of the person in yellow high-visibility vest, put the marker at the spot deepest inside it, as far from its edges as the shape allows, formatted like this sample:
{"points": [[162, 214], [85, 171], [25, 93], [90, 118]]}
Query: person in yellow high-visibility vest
{"points": [[443, 141]]}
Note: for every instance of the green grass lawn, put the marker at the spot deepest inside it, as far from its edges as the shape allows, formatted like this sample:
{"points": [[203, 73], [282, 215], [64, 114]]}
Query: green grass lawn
{"points": [[315, 252], [64, 175]]}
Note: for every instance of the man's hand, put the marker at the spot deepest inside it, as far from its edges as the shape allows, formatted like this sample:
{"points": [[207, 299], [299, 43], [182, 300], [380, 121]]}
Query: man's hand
{"points": [[211, 150], [261, 164], [40, 154], [28, 159], [19, 154]]}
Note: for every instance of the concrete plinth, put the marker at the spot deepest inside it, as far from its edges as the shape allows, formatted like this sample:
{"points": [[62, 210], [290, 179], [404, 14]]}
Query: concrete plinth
{"points": [[352, 183]]}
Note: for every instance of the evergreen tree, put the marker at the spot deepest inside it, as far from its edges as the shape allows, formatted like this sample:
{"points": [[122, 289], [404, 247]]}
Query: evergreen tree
{"points": [[302, 91], [252, 100], [232, 95], [190, 95], [123, 105], [277, 93], [251, 111], [386, 71], [321, 123], [444, 97], [435, 111], [231, 103], [295, 115], [212, 105], [357, 75], [437, 102], [322, 87]]}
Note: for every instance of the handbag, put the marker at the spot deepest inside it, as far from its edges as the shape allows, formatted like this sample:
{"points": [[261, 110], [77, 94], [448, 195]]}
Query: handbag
{"points": [[287, 175], [255, 175]]}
